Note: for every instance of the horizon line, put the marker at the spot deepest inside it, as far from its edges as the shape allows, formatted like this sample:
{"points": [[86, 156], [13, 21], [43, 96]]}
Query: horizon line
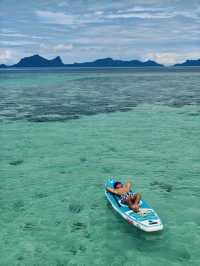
{"points": [[103, 58]]}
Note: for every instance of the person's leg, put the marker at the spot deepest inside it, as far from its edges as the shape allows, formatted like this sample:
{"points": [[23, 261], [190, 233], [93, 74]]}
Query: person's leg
{"points": [[133, 202], [136, 198]]}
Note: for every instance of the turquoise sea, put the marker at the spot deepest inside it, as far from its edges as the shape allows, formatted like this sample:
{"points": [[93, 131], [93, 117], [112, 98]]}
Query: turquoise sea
{"points": [[63, 132]]}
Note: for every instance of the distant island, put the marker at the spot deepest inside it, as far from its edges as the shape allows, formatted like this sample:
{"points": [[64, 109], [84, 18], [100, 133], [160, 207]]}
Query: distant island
{"points": [[39, 61], [190, 63]]}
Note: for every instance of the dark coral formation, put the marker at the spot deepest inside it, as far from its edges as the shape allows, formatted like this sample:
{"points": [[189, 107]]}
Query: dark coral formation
{"points": [[162, 186], [16, 162]]}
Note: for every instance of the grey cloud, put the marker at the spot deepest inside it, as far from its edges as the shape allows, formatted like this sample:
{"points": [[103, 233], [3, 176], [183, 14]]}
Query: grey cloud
{"points": [[82, 30]]}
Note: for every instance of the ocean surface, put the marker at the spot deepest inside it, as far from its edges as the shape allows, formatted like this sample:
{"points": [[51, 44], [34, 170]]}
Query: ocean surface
{"points": [[63, 132]]}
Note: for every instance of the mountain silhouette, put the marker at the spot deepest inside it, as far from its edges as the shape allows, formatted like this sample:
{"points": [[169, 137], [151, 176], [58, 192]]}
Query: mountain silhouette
{"points": [[3, 66], [39, 61], [109, 62], [190, 63]]}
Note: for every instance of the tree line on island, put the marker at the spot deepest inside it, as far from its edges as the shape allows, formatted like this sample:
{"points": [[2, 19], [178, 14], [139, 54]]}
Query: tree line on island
{"points": [[39, 61]]}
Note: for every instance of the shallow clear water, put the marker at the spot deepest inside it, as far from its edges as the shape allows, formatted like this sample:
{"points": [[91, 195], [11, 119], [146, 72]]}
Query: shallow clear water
{"points": [[58, 95], [53, 209]]}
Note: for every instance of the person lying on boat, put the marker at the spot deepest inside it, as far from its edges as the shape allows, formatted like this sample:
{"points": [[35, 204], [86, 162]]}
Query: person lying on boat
{"points": [[126, 195]]}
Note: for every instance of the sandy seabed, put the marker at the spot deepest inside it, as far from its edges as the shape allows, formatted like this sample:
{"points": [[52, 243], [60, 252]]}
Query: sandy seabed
{"points": [[53, 209]]}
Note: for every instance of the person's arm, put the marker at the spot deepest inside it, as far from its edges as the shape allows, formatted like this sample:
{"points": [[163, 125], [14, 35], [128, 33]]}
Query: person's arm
{"points": [[112, 190], [128, 185]]}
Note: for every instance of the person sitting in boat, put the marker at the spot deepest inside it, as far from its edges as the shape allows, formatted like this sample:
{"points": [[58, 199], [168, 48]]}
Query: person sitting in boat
{"points": [[126, 195]]}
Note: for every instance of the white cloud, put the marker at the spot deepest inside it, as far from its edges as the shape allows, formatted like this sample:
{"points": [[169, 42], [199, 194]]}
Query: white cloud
{"points": [[142, 15], [9, 34], [36, 37], [153, 13], [55, 17], [142, 9], [16, 43], [171, 58], [56, 48], [7, 56], [71, 20], [98, 13]]}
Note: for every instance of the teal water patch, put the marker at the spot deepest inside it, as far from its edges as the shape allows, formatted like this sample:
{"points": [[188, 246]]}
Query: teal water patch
{"points": [[49, 95], [53, 209]]}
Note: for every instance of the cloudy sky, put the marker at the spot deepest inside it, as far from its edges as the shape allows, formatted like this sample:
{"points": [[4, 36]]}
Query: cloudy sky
{"points": [[167, 31]]}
